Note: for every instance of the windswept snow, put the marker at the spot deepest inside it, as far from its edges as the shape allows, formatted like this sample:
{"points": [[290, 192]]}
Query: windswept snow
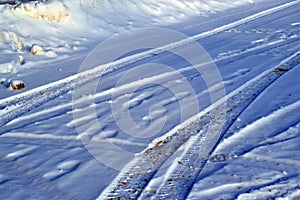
{"points": [[156, 125]]}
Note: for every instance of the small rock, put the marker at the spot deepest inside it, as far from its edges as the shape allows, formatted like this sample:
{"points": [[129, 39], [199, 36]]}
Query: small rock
{"points": [[51, 53], [278, 70], [20, 45], [35, 49], [153, 54], [218, 158], [160, 143], [2, 80], [17, 84], [22, 60]]}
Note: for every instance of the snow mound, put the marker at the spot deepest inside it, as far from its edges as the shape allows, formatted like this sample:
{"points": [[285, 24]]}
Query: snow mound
{"points": [[7, 37], [102, 18], [53, 12], [79, 25]]}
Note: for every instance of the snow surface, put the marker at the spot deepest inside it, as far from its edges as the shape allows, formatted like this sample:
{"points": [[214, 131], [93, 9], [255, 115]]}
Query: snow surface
{"points": [[68, 133]]}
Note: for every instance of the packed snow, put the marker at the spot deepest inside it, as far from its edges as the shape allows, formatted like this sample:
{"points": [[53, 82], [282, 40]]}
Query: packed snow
{"points": [[150, 99]]}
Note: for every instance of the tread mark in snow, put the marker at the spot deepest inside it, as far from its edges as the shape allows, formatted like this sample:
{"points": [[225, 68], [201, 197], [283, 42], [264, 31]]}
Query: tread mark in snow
{"points": [[34, 98], [202, 140], [200, 149]]}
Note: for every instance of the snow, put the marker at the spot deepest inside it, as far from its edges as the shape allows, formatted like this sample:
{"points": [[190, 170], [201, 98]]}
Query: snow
{"points": [[150, 99]]}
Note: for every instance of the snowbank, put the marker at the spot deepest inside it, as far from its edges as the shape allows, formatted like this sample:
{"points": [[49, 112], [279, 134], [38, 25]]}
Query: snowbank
{"points": [[53, 12], [99, 18], [63, 26]]}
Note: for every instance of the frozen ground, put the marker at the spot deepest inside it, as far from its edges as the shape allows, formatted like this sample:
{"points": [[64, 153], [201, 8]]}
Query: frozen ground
{"points": [[151, 124]]}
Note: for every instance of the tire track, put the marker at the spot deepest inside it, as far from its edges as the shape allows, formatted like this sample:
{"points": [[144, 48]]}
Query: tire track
{"points": [[17, 105], [203, 132], [180, 178], [245, 52], [23, 103]]}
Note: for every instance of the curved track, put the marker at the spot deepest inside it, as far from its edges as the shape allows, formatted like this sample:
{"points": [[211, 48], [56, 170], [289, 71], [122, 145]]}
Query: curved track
{"points": [[202, 132], [198, 133]]}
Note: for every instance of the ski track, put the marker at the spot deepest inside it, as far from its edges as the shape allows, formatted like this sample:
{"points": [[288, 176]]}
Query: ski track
{"points": [[15, 106]]}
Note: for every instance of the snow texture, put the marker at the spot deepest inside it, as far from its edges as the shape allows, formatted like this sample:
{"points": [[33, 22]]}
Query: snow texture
{"points": [[244, 145]]}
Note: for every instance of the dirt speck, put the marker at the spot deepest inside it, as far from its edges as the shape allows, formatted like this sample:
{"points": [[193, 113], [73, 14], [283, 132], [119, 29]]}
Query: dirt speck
{"points": [[279, 70]]}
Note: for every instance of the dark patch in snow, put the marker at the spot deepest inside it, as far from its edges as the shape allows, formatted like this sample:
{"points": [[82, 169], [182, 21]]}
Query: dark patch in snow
{"points": [[17, 2], [279, 70], [218, 158]]}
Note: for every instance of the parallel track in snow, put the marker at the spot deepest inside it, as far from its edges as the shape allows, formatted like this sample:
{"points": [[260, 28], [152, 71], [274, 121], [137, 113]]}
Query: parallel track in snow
{"points": [[179, 180], [15, 106], [134, 179], [202, 133]]}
